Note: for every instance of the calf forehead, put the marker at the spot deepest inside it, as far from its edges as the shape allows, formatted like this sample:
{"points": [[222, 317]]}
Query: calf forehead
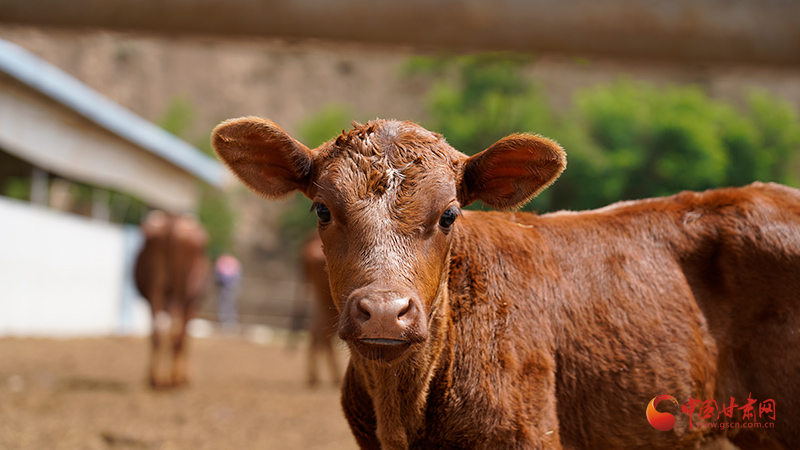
{"points": [[386, 157]]}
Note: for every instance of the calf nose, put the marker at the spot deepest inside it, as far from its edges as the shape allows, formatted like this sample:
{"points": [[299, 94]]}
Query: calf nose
{"points": [[387, 312], [383, 317]]}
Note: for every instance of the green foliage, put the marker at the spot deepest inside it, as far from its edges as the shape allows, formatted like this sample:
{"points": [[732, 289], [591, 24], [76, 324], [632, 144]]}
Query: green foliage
{"points": [[664, 140], [124, 208], [325, 125], [214, 210], [623, 140], [775, 139], [658, 141], [179, 116], [478, 99], [217, 216], [18, 188]]}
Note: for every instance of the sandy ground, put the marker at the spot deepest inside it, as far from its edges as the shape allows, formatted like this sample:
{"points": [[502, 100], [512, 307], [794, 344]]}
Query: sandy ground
{"points": [[90, 394]]}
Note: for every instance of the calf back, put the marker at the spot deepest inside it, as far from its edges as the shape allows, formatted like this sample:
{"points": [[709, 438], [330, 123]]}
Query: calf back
{"points": [[695, 295], [172, 267]]}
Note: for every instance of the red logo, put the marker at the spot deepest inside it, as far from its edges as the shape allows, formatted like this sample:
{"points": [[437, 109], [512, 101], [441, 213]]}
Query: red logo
{"points": [[702, 413], [660, 420]]}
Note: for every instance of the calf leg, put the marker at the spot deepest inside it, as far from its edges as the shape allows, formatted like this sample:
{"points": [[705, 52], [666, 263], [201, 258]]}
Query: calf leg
{"points": [[322, 343], [152, 368], [160, 326], [157, 342], [333, 363], [179, 375], [313, 370]]}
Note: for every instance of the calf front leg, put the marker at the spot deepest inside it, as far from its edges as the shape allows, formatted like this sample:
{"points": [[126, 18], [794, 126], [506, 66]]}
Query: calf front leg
{"points": [[180, 375], [158, 340], [153, 377], [333, 362]]}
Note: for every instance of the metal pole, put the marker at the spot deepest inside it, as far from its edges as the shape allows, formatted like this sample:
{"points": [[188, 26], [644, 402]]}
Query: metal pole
{"points": [[39, 186], [755, 31], [100, 209]]}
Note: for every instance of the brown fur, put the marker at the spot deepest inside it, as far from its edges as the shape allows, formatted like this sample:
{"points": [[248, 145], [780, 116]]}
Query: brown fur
{"points": [[171, 273], [511, 330]]}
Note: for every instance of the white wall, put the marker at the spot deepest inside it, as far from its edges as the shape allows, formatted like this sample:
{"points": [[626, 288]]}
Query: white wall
{"points": [[63, 275]]}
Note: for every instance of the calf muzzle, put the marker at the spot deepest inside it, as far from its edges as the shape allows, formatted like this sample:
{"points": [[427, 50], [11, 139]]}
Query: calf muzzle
{"points": [[381, 324]]}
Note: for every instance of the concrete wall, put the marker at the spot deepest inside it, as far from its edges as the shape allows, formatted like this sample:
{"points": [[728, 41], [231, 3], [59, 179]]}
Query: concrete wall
{"points": [[64, 275]]}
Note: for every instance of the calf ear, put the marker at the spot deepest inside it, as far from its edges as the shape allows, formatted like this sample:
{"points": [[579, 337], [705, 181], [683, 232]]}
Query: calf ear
{"points": [[512, 171], [263, 156]]}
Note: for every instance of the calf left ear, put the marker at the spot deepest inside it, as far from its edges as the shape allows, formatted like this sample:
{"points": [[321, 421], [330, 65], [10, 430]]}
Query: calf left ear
{"points": [[263, 156], [512, 171]]}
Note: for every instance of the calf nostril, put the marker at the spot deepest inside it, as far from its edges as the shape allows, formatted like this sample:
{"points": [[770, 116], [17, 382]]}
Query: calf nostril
{"points": [[363, 310], [404, 308]]}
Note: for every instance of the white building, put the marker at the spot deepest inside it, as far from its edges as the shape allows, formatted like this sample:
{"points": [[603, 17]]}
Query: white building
{"points": [[63, 274]]}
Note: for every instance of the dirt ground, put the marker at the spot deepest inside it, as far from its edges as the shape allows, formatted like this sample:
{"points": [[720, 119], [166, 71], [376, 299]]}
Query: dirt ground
{"points": [[90, 394]]}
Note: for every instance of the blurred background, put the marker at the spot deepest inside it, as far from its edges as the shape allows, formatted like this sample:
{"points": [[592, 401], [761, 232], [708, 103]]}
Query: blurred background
{"points": [[106, 108]]}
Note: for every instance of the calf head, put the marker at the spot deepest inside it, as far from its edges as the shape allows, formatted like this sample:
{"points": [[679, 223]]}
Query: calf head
{"points": [[388, 196]]}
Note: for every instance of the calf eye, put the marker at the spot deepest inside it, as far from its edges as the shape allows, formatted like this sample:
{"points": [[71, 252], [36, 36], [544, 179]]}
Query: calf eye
{"points": [[323, 213], [448, 217]]}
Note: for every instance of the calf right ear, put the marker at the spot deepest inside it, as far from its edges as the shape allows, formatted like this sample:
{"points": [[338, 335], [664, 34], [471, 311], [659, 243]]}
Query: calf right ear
{"points": [[512, 171], [263, 156]]}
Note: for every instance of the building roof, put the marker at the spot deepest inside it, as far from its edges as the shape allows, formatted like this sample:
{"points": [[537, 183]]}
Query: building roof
{"points": [[70, 92]]}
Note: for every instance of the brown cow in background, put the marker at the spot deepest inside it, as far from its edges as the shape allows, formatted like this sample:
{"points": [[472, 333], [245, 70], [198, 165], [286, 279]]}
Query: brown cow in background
{"points": [[324, 318], [172, 272], [502, 330]]}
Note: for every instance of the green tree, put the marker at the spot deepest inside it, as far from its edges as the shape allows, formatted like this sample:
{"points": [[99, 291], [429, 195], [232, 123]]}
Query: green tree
{"points": [[478, 99], [664, 140], [325, 124], [624, 140], [659, 141], [179, 116], [214, 209], [774, 153], [217, 216]]}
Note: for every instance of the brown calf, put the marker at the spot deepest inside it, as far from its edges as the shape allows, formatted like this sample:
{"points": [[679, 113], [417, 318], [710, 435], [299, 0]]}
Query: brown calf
{"points": [[488, 330], [171, 273], [324, 318]]}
